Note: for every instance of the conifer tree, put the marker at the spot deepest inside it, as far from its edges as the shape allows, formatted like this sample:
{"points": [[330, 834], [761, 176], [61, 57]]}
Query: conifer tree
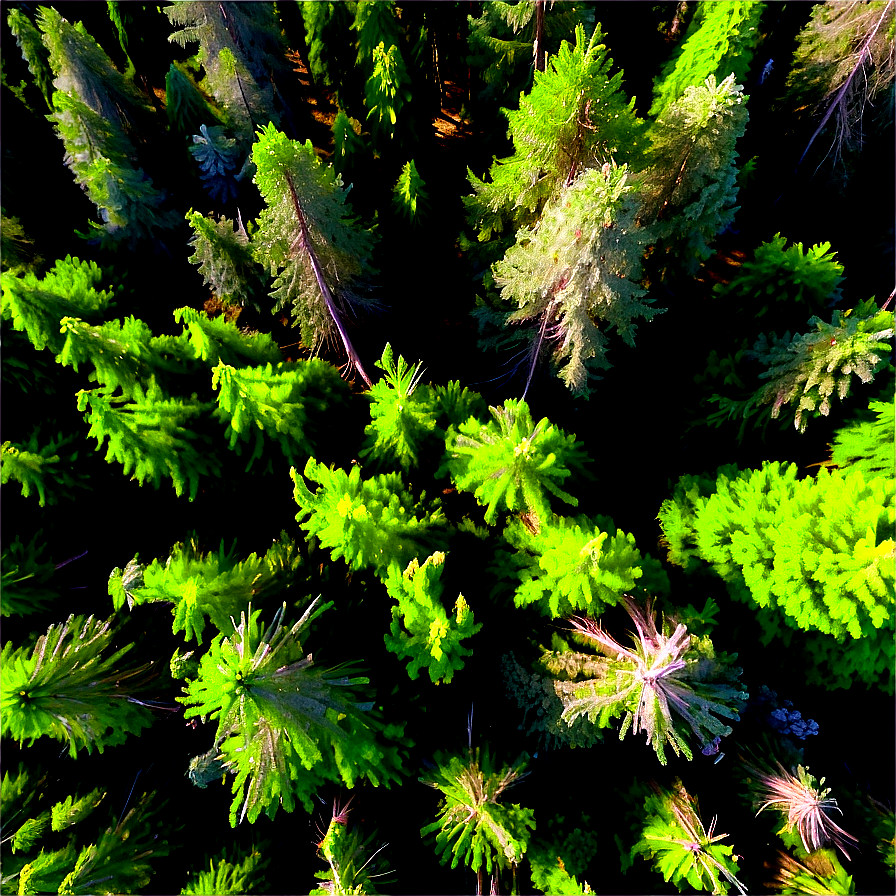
{"points": [[33, 52], [350, 150], [39, 468], [217, 341], [283, 726], [70, 686], [221, 250], [332, 47], [23, 576], [410, 197], [868, 445], [218, 158], [576, 117], [473, 826], [185, 105], [690, 185], [17, 254], [579, 265], [308, 240], [386, 93], [230, 873], [421, 629], [719, 41]]}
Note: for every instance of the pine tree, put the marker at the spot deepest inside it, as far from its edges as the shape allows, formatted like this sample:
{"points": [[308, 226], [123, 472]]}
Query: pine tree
{"points": [[579, 265], [283, 726], [576, 117], [217, 341], [421, 629], [332, 48], [185, 105], [39, 467], [33, 52], [218, 157], [719, 41], [386, 93], [309, 241], [473, 826], [70, 687], [221, 250], [690, 186], [410, 197]]}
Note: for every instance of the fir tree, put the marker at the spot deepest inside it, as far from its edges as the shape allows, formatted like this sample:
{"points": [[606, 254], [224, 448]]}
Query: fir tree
{"points": [[350, 151], [39, 467], [368, 522], [33, 52], [218, 157], [575, 117], [185, 106], [682, 849], [70, 687], [690, 186], [230, 873], [221, 250], [386, 93], [473, 826], [578, 266], [421, 629], [308, 240], [278, 718], [719, 41], [331, 47], [511, 462], [409, 196], [283, 405]]}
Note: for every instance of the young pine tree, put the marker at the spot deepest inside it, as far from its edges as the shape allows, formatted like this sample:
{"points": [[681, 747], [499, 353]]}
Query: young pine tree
{"points": [[308, 240]]}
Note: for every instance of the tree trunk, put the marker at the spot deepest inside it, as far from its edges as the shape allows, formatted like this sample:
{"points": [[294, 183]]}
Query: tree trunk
{"points": [[539, 36]]}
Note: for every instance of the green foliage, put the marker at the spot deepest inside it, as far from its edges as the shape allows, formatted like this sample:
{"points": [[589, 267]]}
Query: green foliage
{"points": [[409, 197], [349, 148], [308, 240], [152, 437], [217, 341], [674, 837], [719, 41], [17, 255], [282, 405], [402, 414], [510, 462], [811, 366], [473, 826], [556, 861], [826, 874], [386, 92], [816, 552], [575, 563], [218, 157], [221, 249], [71, 811], [33, 52], [331, 53], [230, 873], [868, 446], [691, 184], [38, 305], [575, 117], [668, 671], [39, 467], [421, 629], [345, 851], [209, 767], [216, 585], [185, 106], [578, 266], [45, 690], [280, 718], [369, 522], [23, 577], [539, 693], [811, 277]]}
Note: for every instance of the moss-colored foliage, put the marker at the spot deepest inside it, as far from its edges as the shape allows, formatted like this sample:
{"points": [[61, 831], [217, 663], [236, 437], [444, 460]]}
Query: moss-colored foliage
{"points": [[669, 685], [575, 117], [46, 690], [817, 553], [538, 694], [285, 726], [410, 200], [566, 564], [422, 630], [794, 275], [231, 872], [473, 827], [868, 445], [371, 522], [579, 268], [309, 240], [40, 468], [690, 186], [197, 584], [23, 577], [185, 106], [152, 436], [347, 852], [218, 158], [403, 413], [719, 41], [221, 249], [512, 463], [17, 253], [672, 835], [36, 305], [283, 405]]}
